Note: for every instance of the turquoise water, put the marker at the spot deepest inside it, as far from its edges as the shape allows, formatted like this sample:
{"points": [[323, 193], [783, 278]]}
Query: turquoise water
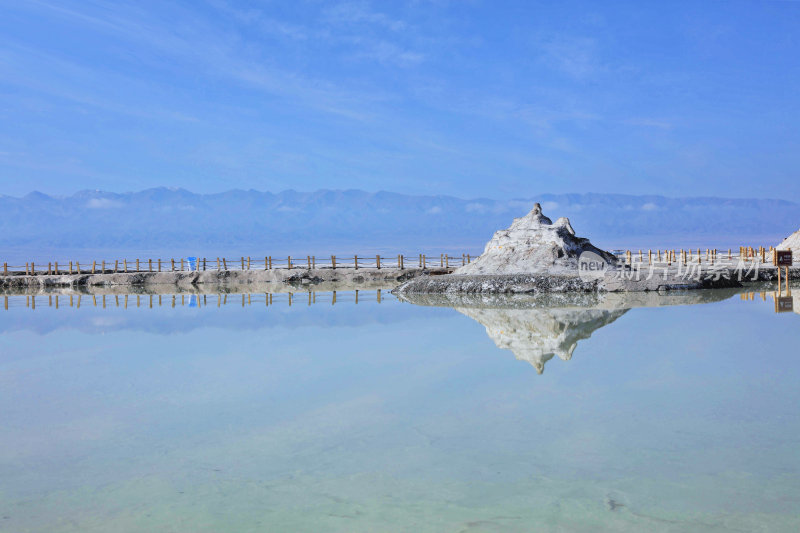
{"points": [[396, 417]]}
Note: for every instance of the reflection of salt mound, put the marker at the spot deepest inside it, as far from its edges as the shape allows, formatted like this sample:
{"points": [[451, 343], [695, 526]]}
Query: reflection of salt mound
{"points": [[792, 242], [533, 244], [536, 335]]}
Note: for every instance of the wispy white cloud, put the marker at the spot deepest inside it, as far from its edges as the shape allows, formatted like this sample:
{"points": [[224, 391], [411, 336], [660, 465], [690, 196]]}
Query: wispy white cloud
{"points": [[103, 203], [353, 12], [649, 123], [575, 56]]}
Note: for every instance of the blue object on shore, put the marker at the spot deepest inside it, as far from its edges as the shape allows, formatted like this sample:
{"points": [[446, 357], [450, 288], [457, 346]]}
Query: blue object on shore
{"points": [[192, 263]]}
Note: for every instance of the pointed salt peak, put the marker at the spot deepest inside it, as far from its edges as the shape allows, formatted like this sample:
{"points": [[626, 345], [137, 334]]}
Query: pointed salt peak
{"points": [[536, 215], [564, 221]]}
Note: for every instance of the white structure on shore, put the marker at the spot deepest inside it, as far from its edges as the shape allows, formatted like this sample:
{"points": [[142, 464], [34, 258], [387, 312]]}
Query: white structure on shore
{"points": [[792, 242], [533, 244]]}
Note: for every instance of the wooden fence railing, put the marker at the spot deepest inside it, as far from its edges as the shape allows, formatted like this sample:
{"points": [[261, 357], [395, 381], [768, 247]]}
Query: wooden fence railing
{"points": [[684, 256], [268, 262], [708, 256]]}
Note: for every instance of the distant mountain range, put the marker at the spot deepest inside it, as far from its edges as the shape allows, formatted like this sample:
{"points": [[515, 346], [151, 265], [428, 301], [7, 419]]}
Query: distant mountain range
{"points": [[177, 222]]}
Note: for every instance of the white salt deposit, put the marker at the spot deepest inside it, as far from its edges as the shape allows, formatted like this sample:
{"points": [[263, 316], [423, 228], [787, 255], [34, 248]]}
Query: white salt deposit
{"points": [[533, 244]]}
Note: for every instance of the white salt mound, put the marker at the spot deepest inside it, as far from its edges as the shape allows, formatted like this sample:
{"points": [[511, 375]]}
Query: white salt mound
{"points": [[792, 242], [533, 244]]}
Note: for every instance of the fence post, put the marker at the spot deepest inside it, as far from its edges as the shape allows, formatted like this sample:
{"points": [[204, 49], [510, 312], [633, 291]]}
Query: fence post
{"points": [[204, 269], [78, 268], [333, 262], [49, 268], [289, 263], [116, 265], [469, 260], [248, 262], [423, 260], [218, 269], [137, 265], [242, 262], [378, 261], [103, 267], [313, 262], [400, 261], [270, 265], [420, 260], [224, 264], [266, 262], [308, 260], [355, 260], [446, 261], [181, 264], [5, 269], [150, 265], [172, 262]]}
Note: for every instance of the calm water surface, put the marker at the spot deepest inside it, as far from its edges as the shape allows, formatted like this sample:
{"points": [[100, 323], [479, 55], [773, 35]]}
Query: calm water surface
{"points": [[396, 417]]}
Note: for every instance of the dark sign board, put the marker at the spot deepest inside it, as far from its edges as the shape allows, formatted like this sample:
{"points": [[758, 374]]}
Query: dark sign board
{"points": [[783, 258], [784, 304]]}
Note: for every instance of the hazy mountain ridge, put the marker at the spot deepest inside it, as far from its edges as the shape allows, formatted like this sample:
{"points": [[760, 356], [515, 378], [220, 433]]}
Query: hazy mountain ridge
{"points": [[330, 220]]}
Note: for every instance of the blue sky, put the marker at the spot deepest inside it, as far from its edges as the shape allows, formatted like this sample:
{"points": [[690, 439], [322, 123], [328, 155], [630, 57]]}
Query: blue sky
{"points": [[493, 99]]}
